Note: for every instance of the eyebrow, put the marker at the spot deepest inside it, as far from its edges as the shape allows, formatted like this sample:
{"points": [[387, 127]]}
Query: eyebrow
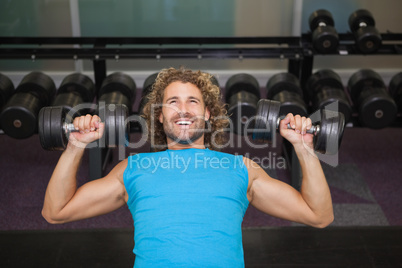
{"points": [[175, 98]]}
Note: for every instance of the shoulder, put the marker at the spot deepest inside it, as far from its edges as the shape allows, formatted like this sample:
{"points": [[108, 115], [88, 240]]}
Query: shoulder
{"points": [[118, 171], [250, 164], [255, 171]]}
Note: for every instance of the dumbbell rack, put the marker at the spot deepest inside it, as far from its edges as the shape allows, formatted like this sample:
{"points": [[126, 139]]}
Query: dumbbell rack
{"points": [[37, 48], [297, 50], [391, 45]]}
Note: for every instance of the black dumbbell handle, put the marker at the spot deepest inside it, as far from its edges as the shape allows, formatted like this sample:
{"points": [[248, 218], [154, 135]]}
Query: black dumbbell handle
{"points": [[313, 130]]}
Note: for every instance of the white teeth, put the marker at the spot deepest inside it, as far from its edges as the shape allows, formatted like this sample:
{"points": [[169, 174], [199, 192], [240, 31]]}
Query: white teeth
{"points": [[183, 122]]}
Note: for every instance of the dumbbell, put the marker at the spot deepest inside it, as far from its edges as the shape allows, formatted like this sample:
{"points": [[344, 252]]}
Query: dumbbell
{"points": [[20, 115], [368, 92], [324, 36], [118, 88], [395, 89], [55, 125], [75, 89], [6, 90], [325, 87], [285, 88], [242, 95], [362, 25], [327, 135], [215, 81], [146, 89]]}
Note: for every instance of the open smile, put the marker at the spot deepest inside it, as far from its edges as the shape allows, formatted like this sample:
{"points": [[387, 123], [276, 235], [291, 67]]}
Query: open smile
{"points": [[184, 123]]}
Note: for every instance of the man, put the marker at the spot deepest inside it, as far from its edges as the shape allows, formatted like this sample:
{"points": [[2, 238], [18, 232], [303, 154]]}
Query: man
{"points": [[187, 199]]}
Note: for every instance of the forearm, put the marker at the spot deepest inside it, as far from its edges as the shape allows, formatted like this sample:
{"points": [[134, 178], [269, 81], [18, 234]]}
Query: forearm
{"points": [[314, 189], [63, 183]]}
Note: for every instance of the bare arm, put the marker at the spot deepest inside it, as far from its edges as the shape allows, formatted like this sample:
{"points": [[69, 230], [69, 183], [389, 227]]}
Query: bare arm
{"points": [[63, 201], [313, 204]]}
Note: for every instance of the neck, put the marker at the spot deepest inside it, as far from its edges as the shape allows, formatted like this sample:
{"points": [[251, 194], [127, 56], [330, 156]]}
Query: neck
{"points": [[177, 146]]}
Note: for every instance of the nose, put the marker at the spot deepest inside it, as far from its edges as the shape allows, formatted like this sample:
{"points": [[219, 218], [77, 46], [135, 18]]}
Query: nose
{"points": [[182, 109]]}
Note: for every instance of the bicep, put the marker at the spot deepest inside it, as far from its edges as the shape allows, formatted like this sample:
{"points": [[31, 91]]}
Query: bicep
{"points": [[97, 197], [278, 199]]}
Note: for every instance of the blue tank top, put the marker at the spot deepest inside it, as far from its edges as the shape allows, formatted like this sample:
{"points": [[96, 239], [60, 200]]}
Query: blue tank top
{"points": [[187, 206]]}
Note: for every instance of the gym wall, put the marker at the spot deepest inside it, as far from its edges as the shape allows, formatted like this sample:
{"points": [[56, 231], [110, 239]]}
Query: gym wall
{"points": [[145, 18]]}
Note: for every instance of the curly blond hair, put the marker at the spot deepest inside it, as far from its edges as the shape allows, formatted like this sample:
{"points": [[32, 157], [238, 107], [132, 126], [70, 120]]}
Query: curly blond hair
{"points": [[214, 136]]}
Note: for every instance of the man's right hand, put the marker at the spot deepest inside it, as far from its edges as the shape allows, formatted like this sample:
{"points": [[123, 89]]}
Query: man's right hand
{"points": [[90, 129]]}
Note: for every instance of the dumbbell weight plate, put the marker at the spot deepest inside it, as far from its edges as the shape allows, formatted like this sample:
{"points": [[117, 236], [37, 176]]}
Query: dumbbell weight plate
{"points": [[325, 38], [336, 133], [75, 89], [115, 98], [329, 138], [146, 89], [43, 118], [395, 85], [120, 82], [241, 82], [283, 81], [40, 85], [361, 79], [368, 39], [376, 109], [116, 127], [50, 128], [79, 83], [260, 122], [273, 115], [242, 95], [123, 126], [266, 119], [19, 116], [242, 107], [320, 140], [360, 16], [215, 81], [395, 89], [319, 16], [323, 79], [6, 89], [291, 102], [285, 88], [106, 114], [326, 97], [70, 101]]}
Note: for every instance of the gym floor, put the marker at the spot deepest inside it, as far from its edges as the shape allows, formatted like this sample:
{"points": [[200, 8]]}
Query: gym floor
{"points": [[263, 247]]}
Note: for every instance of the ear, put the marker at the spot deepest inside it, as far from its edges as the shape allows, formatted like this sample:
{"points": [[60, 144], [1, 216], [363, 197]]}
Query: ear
{"points": [[161, 117], [207, 114]]}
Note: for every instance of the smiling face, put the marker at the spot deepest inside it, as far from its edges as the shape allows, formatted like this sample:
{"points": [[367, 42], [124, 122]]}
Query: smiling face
{"points": [[183, 115]]}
